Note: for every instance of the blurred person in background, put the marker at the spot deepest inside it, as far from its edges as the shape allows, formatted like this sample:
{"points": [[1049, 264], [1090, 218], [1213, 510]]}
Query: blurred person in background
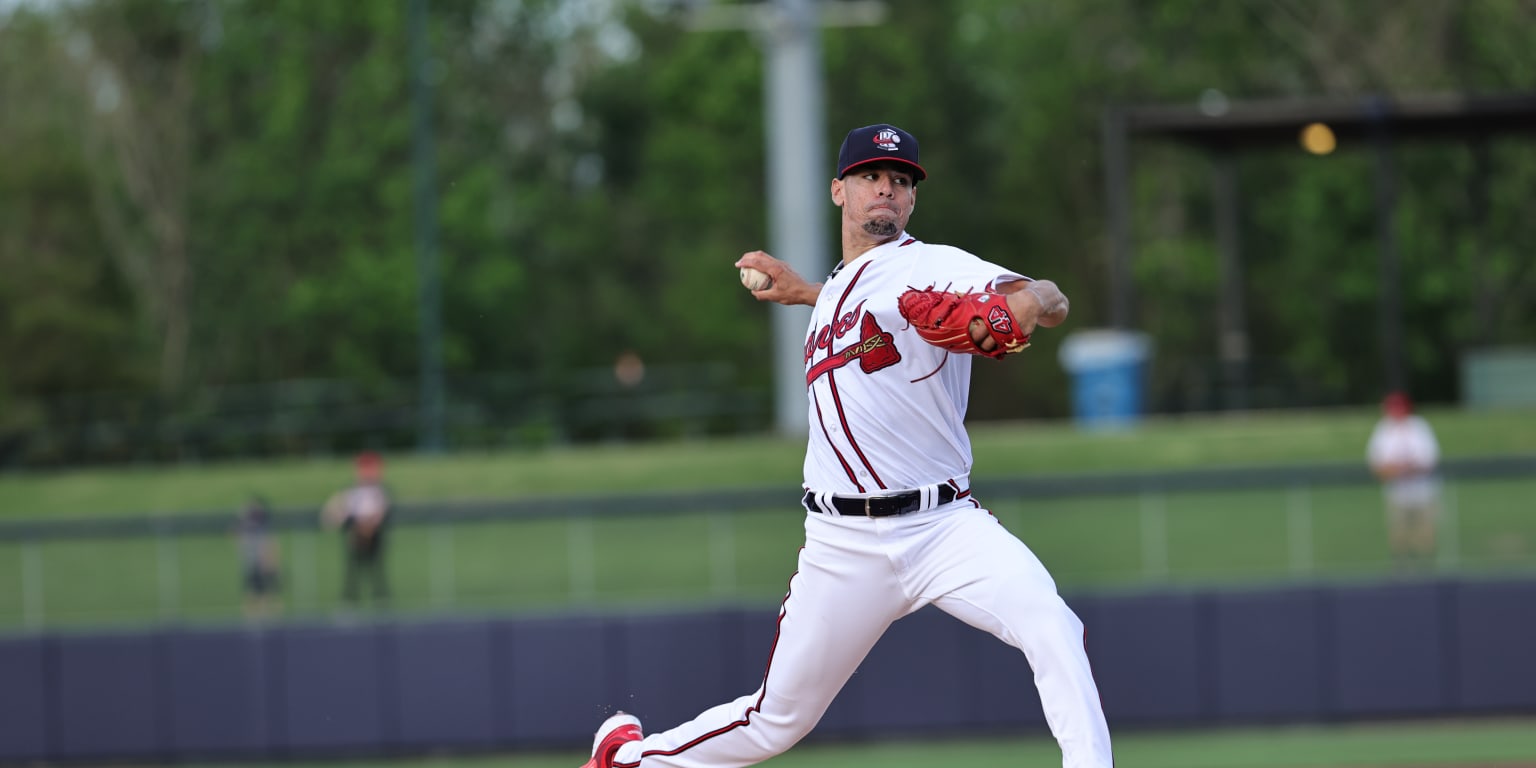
{"points": [[362, 513], [258, 559], [1404, 456]]}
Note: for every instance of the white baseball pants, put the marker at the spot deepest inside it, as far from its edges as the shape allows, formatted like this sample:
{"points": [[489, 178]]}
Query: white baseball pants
{"points": [[858, 575]]}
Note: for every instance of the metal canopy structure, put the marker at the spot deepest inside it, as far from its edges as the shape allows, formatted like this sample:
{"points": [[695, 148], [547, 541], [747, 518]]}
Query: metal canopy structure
{"points": [[1225, 129], [1270, 123]]}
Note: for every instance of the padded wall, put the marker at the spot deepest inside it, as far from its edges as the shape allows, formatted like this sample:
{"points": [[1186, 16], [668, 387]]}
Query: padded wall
{"points": [[444, 690], [1177, 658], [336, 686], [25, 699], [1268, 655], [1389, 650], [109, 697], [219, 692], [1149, 654], [1494, 637]]}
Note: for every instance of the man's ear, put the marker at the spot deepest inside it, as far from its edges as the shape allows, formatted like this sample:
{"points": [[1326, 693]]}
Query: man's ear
{"points": [[837, 192]]}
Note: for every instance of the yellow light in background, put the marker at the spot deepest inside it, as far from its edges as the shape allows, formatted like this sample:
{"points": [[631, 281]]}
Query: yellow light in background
{"points": [[1318, 139]]}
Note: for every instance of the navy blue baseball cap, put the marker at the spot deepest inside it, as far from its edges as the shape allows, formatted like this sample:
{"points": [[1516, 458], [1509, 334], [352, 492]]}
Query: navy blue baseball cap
{"points": [[875, 143]]}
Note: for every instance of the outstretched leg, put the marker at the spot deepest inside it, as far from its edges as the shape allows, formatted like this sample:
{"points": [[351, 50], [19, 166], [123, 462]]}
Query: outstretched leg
{"points": [[839, 603], [986, 577]]}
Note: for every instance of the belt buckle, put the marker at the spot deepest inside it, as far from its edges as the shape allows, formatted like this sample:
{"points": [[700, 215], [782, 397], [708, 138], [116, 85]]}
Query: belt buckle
{"points": [[866, 506]]}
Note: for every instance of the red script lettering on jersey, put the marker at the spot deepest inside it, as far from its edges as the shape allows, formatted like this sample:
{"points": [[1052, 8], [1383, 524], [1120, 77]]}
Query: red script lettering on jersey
{"points": [[875, 349], [838, 328]]}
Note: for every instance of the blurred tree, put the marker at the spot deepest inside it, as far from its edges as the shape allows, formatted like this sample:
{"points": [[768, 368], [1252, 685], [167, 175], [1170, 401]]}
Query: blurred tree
{"points": [[66, 319], [220, 192], [133, 63], [678, 132], [1047, 70], [304, 193]]}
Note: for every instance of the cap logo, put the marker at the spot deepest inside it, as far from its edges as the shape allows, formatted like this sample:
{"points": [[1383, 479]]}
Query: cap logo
{"points": [[881, 142]]}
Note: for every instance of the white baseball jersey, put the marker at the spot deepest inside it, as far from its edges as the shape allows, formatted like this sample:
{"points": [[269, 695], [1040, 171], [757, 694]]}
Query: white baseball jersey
{"points": [[887, 408], [886, 416], [1408, 440]]}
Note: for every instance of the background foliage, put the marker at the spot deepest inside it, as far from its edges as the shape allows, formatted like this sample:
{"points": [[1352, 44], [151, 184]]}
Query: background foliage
{"points": [[202, 195]]}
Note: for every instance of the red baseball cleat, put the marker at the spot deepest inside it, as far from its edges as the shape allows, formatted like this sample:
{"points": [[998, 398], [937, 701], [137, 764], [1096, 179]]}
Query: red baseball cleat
{"points": [[615, 732]]}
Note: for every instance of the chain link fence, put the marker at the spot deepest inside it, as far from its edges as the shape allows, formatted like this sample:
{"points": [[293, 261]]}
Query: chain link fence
{"points": [[1213, 527]]}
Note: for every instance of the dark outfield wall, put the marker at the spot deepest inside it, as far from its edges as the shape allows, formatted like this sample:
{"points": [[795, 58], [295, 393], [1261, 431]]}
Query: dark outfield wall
{"points": [[1162, 659]]}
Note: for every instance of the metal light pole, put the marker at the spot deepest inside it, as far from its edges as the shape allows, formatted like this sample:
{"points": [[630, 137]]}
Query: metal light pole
{"points": [[1390, 307], [429, 289], [795, 124], [797, 230], [1117, 186]]}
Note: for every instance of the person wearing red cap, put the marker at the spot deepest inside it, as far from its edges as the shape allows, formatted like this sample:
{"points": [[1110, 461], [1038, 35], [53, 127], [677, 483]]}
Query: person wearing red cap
{"points": [[890, 522], [1404, 455], [362, 513]]}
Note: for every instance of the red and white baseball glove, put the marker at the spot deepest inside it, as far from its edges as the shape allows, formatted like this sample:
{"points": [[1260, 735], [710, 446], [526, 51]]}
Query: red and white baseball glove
{"points": [[943, 319]]}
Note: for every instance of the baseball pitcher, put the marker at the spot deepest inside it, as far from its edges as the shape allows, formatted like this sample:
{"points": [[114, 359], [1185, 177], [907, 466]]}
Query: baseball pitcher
{"points": [[890, 521]]}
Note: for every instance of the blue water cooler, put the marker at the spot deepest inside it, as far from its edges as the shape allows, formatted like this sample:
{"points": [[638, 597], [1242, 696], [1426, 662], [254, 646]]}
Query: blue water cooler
{"points": [[1108, 369]]}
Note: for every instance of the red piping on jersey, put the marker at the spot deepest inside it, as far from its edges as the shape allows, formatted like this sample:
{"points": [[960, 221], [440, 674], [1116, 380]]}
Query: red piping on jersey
{"points": [[840, 460], [837, 404], [746, 717], [843, 418], [942, 361]]}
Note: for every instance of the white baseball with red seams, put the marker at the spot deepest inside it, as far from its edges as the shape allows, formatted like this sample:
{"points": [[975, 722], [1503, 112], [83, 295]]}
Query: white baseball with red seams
{"points": [[755, 280], [886, 415]]}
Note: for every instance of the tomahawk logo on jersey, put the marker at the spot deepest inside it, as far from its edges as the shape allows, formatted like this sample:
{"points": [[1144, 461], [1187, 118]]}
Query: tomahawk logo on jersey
{"points": [[862, 426], [875, 348]]}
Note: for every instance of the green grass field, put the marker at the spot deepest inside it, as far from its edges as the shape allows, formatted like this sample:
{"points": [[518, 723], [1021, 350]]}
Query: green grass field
{"points": [[1223, 538], [1005, 449], [1492, 743], [1214, 538], [1090, 542]]}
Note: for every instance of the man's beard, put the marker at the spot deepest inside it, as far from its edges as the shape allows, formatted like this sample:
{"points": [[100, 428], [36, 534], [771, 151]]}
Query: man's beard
{"points": [[881, 227]]}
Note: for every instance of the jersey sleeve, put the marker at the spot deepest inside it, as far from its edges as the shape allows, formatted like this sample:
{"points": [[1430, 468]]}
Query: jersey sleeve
{"points": [[961, 271]]}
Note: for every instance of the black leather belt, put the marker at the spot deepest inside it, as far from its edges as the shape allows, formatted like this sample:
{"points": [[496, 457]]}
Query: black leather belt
{"points": [[878, 506]]}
